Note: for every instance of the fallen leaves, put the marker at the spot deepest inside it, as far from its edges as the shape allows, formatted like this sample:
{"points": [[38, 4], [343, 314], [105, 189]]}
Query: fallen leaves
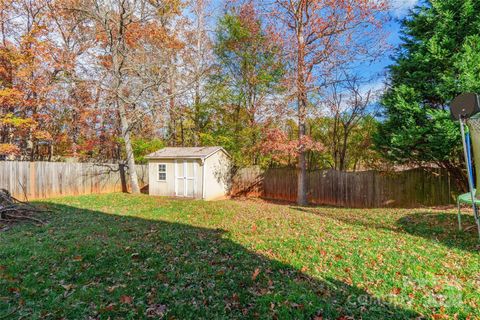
{"points": [[113, 288], [135, 256], [126, 299], [259, 269], [396, 291], [68, 287], [156, 311], [255, 274], [108, 308], [14, 290], [161, 277]]}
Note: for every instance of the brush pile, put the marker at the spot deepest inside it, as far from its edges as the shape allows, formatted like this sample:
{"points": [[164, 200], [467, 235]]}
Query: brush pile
{"points": [[13, 210]]}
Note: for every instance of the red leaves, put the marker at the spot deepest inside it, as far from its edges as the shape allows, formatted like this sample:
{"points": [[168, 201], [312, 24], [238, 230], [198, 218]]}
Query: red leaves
{"points": [[396, 290], [441, 314], [77, 258], [126, 299], [277, 144], [14, 290], [108, 308], [249, 18]]}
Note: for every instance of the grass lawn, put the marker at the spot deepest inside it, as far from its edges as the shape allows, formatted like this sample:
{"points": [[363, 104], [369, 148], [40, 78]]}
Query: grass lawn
{"points": [[122, 256]]}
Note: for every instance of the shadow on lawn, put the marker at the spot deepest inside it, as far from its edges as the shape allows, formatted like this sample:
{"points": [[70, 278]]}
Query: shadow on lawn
{"points": [[355, 220], [442, 227], [92, 264], [434, 226]]}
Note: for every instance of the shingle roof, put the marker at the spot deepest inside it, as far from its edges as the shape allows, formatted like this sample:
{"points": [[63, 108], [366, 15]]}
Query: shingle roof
{"points": [[184, 152]]}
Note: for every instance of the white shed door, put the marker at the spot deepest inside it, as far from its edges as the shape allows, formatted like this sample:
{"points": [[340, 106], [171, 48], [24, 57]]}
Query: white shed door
{"points": [[185, 178]]}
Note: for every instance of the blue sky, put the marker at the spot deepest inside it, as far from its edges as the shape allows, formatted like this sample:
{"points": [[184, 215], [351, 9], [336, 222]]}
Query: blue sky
{"points": [[399, 9], [376, 71]]}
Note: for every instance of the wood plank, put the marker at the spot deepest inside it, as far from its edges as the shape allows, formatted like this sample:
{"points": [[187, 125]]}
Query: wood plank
{"points": [[368, 189], [51, 179]]}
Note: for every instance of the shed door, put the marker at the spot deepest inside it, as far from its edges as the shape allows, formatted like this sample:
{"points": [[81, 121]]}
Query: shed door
{"points": [[186, 182]]}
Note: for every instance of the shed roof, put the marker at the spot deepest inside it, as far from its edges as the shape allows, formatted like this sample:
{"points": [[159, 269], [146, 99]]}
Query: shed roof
{"points": [[185, 152]]}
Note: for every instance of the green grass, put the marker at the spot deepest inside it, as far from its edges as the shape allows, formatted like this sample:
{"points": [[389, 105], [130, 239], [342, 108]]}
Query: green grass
{"points": [[122, 256]]}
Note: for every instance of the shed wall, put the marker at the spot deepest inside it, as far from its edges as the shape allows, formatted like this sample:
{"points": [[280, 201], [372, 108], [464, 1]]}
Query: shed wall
{"points": [[217, 176], [167, 188], [161, 188]]}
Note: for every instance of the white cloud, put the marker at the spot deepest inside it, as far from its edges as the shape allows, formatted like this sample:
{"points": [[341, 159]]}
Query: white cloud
{"points": [[375, 87], [399, 8]]}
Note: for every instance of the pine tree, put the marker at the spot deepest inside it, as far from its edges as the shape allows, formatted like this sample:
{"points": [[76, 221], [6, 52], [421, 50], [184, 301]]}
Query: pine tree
{"points": [[437, 60]]}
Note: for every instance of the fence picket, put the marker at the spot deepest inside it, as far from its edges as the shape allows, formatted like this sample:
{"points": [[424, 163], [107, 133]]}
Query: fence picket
{"points": [[368, 189], [49, 179]]}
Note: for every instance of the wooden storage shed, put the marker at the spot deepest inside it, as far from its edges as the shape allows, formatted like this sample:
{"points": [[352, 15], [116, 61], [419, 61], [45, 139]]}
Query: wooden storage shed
{"points": [[195, 172]]}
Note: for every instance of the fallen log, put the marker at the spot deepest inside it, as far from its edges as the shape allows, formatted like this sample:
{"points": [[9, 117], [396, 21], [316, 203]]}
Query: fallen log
{"points": [[13, 210]]}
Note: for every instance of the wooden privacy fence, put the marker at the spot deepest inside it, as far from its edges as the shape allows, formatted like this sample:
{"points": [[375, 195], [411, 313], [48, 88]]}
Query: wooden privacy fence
{"points": [[34, 180], [368, 189], [248, 182]]}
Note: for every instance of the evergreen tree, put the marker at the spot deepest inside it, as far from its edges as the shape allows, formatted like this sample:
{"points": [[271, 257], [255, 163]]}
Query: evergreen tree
{"points": [[437, 60]]}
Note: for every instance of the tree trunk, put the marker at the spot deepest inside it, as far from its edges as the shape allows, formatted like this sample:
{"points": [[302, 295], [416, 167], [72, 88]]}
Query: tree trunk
{"points": [[173, 129], [128, 148], [171, 106], [197, 108], [196, 118], [50, 151], [182, 133], [253, 139], [123, 178], [302, 180], [302, 114], [119, 54], [343, 152]]}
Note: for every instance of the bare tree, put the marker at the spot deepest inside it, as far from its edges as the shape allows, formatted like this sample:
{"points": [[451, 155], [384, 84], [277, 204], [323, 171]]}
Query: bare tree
{"points": [[201, 63], [319, 36], [347, 105], [130, 33]]}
